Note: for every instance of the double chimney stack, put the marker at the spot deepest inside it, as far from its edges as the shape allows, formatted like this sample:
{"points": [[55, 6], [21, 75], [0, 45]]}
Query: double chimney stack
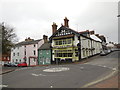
{"points": [[54, 26]]}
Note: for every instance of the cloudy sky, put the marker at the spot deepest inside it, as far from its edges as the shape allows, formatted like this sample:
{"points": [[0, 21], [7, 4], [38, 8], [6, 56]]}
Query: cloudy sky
{"points": [[33, 18]]}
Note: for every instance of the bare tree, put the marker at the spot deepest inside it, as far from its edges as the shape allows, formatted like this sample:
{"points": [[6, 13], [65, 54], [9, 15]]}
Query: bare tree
{"points": [[8, 37]]}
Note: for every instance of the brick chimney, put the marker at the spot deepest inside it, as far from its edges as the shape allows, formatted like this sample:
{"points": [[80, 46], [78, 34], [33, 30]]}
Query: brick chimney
{"points": [[54, 28], [97, 35], [66, 22], [29, 39], [45, 38], [92, 32]]}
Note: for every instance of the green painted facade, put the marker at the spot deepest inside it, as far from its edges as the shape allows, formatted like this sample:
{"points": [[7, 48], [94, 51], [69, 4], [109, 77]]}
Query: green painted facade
{"points": [[44, 57]]}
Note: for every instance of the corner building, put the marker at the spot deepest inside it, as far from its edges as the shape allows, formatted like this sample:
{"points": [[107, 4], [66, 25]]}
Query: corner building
{"points": [[69, 45]]}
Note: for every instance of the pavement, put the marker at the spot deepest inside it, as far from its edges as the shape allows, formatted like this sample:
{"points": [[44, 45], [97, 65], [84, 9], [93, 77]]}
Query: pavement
{"points": [[111, 82]]}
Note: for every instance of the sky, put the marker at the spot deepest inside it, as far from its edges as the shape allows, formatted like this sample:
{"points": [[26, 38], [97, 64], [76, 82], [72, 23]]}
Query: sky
{"points": [[33, 18]]}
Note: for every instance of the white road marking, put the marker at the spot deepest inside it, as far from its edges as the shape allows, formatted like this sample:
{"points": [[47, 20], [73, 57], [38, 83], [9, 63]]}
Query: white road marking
{"points": [[114, 68], [3, 85], [51, 86], [44, 75], [81, 68], [35, 74], [103, 66], [57, 69]]}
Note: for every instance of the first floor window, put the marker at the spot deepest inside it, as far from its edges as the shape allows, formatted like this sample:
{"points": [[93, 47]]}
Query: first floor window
{"points": [[18, 53], [16, 60], [25, 52], [13, 54], [34, 52]]}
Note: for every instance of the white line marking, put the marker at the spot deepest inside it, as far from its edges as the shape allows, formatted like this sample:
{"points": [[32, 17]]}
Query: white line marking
{"points": [[51, 86], [81, 68], [104, 66], [114, 68], [3, 85], [57, 69], [34, 74]]}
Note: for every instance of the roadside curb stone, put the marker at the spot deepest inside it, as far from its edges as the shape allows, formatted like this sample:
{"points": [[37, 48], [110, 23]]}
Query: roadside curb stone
{"points": [[7, 71]]}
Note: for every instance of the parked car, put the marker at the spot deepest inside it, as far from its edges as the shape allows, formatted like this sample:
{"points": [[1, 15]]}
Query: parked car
{"points": [[15, 64], [23, 64], [7, 64]]}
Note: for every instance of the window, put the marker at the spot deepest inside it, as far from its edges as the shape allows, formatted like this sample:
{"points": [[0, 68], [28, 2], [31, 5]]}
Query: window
{"points": [[25, 52], [88, 43], [69, 54], [34, 45], [18, 53], [34, 59], [64, 41], [76, 54], [34, 52], [60, 42], [69, 41], [13, 54], [57, 43], [16, 60]]}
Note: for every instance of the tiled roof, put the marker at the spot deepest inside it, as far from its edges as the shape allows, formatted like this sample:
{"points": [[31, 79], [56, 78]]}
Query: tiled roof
{"points": [[45, 46], [67, 28], [28, 42]]}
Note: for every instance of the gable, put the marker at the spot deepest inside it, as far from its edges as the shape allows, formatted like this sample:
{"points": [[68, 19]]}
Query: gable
{"points": [[63, 31]]}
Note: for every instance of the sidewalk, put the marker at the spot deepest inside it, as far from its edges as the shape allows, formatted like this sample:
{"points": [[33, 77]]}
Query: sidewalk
{"points": [[111, 82], [3, 71]]}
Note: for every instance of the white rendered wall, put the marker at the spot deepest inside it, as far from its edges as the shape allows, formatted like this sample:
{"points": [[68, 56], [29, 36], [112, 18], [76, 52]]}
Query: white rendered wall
{"points": [[29, 52]]}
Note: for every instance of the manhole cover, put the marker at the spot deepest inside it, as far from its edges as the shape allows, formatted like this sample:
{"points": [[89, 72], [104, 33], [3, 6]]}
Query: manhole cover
{"points": [[58, 69]]}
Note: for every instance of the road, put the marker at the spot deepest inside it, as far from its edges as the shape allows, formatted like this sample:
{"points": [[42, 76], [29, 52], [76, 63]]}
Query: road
{"points": [[63, 76]]}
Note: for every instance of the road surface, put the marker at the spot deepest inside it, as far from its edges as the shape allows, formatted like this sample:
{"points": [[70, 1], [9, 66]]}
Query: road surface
{"points": [[63, 76]]}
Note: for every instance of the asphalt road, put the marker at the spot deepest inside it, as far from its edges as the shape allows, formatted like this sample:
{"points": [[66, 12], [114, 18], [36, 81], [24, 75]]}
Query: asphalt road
{"points": [[62, 76]]}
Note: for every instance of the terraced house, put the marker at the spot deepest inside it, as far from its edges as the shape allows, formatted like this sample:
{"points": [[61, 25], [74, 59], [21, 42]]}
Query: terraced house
{"points": [[69, 45], [27, 51]]}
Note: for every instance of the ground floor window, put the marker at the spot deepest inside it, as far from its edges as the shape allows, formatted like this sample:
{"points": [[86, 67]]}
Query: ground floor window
{"points": [[63, 54], [83, 53]]}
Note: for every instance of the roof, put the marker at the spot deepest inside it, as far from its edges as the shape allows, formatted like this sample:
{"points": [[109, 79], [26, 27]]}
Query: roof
{"points": [[28, 42], [45, 46], [94, 37], [69, 29], [110, 45]]}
